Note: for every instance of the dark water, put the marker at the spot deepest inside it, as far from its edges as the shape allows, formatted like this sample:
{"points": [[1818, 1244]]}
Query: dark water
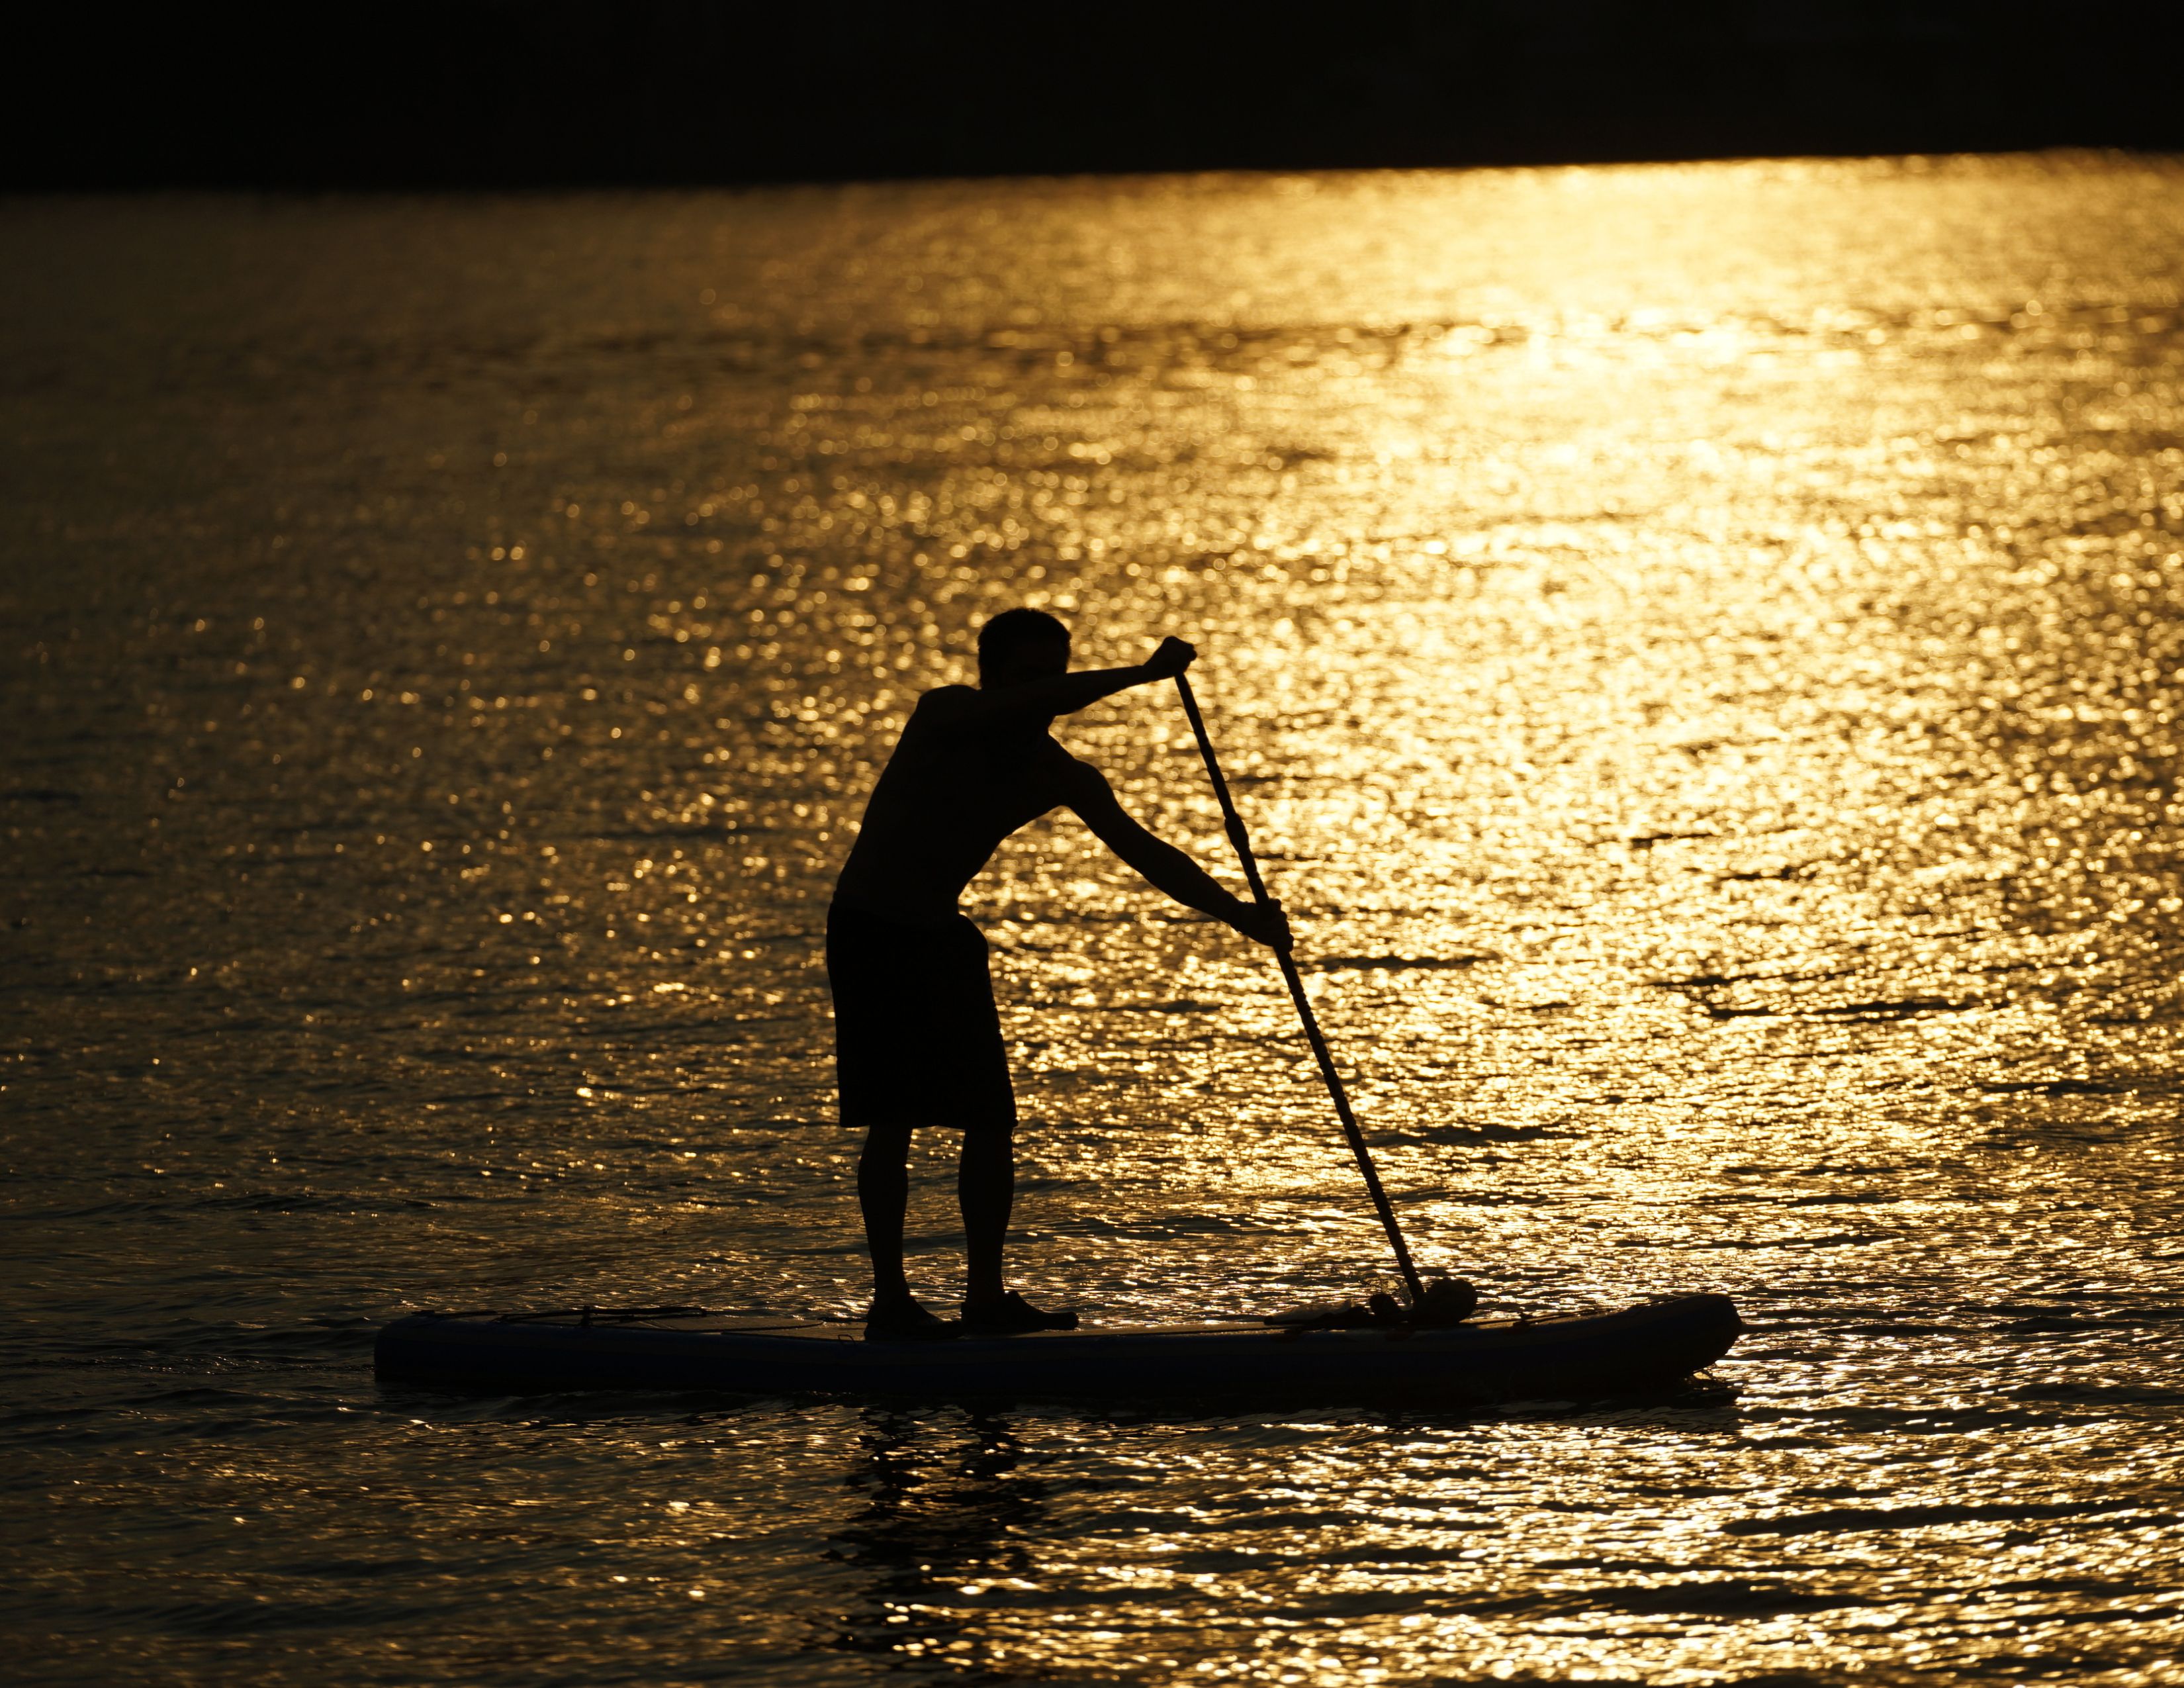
{"points": [[1700, 647]]}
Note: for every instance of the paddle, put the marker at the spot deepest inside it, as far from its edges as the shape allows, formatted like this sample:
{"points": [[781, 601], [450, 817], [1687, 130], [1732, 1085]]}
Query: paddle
{"points": [[1237, 836]]}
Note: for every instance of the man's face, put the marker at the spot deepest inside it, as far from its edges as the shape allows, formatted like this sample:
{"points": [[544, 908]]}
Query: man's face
{"points": [[1040, 661]]}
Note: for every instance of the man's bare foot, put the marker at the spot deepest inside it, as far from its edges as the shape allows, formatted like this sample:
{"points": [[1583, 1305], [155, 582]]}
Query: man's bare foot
{"points": [[1011, 1312], [899, 1318]]}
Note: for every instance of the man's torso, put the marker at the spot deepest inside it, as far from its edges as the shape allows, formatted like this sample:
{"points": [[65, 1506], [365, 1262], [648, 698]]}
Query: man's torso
{"points": [[948, 796]]}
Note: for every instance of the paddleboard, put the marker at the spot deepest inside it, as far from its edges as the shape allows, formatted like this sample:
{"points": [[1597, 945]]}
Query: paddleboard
{"points": [[1575, 1356]]}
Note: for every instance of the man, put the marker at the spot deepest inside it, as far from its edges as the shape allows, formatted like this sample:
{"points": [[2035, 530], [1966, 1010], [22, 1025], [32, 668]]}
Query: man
{"points": [[918, 1041]]}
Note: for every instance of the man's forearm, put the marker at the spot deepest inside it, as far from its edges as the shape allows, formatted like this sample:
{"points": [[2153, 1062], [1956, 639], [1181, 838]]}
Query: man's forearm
{"points": [[1066, 693], [1167, 869], [1063, 694]]}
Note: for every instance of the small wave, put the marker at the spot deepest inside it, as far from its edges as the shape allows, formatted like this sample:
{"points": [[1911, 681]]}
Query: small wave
{"points": [[1856, 1518], [1334, 964]]}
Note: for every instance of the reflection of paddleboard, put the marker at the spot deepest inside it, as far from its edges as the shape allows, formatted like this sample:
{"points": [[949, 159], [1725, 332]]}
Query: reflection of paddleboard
{"points": [[1563, 1355]]}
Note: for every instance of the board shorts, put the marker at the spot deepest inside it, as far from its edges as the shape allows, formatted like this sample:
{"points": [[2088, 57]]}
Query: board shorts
{"points": [[917, 1040]]}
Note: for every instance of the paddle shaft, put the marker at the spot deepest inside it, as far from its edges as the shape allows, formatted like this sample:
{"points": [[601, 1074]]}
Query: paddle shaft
{"points": [[1234, 823]]}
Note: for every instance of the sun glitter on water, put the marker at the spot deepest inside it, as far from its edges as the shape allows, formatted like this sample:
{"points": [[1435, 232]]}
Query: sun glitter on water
{"points": [[1695, 647]]}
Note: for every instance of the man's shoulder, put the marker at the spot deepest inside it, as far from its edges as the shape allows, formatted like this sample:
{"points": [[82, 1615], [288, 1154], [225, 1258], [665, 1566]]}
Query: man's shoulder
{"points": [[943, 702], [940, 708]]}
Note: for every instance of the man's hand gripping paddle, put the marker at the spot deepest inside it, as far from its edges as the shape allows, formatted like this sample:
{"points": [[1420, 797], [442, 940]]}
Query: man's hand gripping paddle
{"points": [[1446, 1302]]}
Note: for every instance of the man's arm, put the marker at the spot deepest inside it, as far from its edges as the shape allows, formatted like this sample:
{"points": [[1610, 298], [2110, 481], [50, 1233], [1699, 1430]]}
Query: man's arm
{"points": [[1064, 693], [1164, 867]]}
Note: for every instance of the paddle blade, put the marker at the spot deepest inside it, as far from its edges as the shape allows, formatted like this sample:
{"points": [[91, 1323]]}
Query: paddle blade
{"points": [[1447, 1301]]}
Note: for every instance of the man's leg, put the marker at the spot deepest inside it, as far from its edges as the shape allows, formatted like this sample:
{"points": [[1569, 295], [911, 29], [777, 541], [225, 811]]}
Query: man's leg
{"points": [[986, 1190], [884, 1194], [986, 1185]]}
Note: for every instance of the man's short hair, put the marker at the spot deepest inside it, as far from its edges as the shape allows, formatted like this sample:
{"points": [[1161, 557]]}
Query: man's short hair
{"points": [[1010, 631]]}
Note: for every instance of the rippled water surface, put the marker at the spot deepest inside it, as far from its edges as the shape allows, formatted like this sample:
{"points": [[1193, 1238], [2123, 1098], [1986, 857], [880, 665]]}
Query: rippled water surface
{"points": [[1700, 648]]}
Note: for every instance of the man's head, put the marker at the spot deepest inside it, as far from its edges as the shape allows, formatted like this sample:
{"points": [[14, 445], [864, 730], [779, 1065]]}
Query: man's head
{"points": [[1021, 644]]}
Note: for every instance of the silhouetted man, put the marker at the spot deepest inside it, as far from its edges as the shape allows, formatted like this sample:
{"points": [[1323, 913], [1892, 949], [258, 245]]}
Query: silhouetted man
{"points": [[916, 1039]]}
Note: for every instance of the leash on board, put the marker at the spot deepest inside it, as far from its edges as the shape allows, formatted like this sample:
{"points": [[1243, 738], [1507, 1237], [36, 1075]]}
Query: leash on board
{"points": [[1234, 823]]}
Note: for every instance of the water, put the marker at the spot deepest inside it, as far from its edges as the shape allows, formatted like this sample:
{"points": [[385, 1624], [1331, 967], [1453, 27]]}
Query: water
{"points": [[1700, 649]]}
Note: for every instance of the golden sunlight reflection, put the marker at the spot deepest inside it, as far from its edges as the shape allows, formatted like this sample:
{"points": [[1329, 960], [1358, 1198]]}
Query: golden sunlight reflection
{"points": [[1698, 648]]}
